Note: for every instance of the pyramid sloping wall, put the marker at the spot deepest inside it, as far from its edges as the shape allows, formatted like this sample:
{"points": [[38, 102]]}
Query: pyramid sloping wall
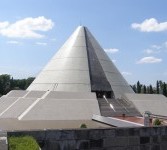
{"points": [[81, 65], [68, 69], [117, 82]]}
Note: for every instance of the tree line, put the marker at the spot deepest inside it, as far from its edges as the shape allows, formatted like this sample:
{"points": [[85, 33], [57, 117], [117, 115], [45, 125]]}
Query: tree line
{"points": [[7, 83], [161, 88]]}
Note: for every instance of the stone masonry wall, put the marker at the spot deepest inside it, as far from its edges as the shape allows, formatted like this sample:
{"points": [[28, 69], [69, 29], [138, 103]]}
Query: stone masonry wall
{"points": [[142, 138]]}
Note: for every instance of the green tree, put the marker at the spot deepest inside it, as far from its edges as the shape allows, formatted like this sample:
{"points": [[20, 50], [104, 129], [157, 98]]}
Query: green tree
{"points": [[157, 87], [138, 87], [144, 89], [160, 87], [151, 90], [29, 81], [134, 88], [164, 89], [7, 83], [4, 84], [22, 84], [148, 89], [11, 83]]}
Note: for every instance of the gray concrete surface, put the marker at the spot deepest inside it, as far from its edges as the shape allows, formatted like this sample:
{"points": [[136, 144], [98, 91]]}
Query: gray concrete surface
{"points": [[63, 109], [18, 108]]}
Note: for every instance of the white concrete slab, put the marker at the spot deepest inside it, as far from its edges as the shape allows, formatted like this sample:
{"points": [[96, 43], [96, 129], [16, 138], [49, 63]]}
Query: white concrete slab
{"points": [[63, 109], [155, 103]]}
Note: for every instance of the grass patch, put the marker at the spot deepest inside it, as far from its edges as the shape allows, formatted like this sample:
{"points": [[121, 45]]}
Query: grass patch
{"points": [[22, 143]]}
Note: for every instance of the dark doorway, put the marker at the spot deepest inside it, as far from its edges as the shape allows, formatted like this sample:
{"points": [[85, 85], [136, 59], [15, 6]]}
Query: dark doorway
{"points": [[108, 94]]}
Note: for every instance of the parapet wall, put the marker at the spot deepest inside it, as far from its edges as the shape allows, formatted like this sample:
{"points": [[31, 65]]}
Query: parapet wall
{"points": [[142, 138]]}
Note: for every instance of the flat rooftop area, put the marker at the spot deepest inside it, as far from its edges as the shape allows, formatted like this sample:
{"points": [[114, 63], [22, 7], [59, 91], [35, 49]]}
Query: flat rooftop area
{"points": [[14, 124]]}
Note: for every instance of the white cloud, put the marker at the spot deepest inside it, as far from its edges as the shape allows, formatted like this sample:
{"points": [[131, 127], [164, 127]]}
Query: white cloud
{"points": [[26, 28], [126, 73], [13, 42], [150, 25], [4, 24], [156, 46], [111, 50], [41, 43], [150, 51], [149, 60]]}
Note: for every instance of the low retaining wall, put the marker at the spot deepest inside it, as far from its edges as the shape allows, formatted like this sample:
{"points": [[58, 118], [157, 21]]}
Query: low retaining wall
{"points": [[142, 138]]}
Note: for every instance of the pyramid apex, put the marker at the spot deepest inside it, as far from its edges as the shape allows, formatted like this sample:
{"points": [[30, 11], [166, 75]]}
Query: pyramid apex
{"points": [[81, 26]]}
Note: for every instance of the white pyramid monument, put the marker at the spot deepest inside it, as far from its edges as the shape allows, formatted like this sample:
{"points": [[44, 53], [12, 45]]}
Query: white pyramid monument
{"points": [[79, 82], [81, 65]]}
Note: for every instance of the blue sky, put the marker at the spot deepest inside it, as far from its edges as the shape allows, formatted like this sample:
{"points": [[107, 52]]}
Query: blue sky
{"points": [[133, 33]]}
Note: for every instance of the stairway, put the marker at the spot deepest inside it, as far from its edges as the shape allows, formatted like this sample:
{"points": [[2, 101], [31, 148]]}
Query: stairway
{"points": [[120, 107]]}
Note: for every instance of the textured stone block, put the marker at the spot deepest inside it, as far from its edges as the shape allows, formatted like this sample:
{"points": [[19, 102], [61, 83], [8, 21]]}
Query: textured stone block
{"points": [[68, 145], [123, 148], [164, 138], [121, 132], [132, 148], [155, 131], [96, 143], [95, 134], [53, 135], [155, 139], [84, 144], [135, 140], [144, 140], [109, 133], [155, 147], [163, 146], [52, 145], [115, 148], [117, 141], [82, 134], [60, 145], [145, 147], [133, 132], [163, 130], [60, 134], [41, 135], [145, 131]]}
